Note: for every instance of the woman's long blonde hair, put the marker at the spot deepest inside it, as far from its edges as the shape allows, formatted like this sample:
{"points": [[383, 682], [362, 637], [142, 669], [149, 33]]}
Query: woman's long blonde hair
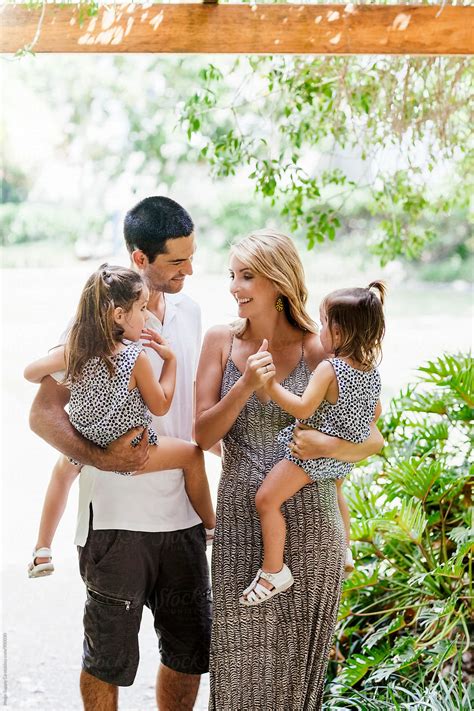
{"points": [[274, 256]]}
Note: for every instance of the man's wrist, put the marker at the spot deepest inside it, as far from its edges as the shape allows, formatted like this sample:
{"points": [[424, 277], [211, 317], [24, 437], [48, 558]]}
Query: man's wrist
{"points": [[98, 457]]}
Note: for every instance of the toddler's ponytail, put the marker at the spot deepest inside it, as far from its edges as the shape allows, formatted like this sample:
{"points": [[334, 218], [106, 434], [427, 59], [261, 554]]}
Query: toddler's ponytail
{"points": [[380, 286]]}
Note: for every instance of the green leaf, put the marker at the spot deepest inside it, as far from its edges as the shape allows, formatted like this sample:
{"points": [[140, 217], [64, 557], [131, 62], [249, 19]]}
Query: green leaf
{"points": [[414, 477], [394, 625], [406, 523], [359, 665], [454, 371]]}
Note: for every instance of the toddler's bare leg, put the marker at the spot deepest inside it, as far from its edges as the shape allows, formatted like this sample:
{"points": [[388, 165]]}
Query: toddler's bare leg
{"points": [[173, 453], [344, 509], [345, 514], [62, 477], [280, 484]]}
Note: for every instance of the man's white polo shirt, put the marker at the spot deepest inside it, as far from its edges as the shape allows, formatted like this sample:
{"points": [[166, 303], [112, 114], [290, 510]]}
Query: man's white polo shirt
{"points": [[155, 501]]}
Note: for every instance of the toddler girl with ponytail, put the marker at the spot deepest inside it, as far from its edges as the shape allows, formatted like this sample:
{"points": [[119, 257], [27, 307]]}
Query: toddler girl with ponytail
{"points": [[341, 399]]}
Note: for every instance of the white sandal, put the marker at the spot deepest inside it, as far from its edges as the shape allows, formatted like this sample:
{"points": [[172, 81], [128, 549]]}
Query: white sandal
{"points": [[40, 570], [255, 594]]}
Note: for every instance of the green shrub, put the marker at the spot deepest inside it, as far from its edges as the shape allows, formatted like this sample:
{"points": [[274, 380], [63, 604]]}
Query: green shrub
{"points": [[406, 609], [29, 222], [400, 694]]}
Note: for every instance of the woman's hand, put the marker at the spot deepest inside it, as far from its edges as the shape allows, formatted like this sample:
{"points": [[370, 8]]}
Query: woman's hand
{"points": [[152, 339], [309, 443], [259, 369], [304, 444]]}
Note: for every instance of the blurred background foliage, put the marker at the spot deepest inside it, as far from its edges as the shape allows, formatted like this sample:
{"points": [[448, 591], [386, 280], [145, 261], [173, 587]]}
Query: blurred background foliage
{"points": [[373, 152]]}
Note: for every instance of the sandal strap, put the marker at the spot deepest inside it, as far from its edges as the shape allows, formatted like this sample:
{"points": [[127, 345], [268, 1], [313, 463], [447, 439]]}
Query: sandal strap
{"points": [[253, 583], [262, 591], [269, 577], [273, 578], [42, 553], [259, 592]]}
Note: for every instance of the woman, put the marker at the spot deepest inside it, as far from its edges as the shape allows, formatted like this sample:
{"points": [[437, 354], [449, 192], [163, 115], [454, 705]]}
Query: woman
{"points": [[271, 657]]}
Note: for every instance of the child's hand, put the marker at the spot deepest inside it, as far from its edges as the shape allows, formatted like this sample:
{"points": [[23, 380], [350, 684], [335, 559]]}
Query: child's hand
{"points": [[152, 339], [270, 382]]}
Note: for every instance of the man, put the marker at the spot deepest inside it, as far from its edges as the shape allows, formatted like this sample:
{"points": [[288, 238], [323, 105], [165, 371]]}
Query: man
{"points": [[139, 540]]}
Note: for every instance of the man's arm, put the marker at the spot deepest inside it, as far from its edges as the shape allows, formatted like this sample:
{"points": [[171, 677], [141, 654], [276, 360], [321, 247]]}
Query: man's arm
{"points": [[312, 444], [50, 421]]}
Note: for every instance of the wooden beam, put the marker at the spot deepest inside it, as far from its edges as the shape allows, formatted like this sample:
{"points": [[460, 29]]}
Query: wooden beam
{"points": [[243, 29]]}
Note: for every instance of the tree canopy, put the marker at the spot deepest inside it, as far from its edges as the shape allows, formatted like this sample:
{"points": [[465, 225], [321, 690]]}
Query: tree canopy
{"points": [[319, 134], [374, 151]]}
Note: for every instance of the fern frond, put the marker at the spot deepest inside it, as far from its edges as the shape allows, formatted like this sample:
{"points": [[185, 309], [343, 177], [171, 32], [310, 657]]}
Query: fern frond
{"points": [[461, 534], [441, 653], [453, 371], [414, 477], [407, 523], [361, 579]]}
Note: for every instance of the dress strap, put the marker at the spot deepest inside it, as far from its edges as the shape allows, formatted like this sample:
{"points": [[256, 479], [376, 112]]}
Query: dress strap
{"points": [[302, 344], [228, 358]]}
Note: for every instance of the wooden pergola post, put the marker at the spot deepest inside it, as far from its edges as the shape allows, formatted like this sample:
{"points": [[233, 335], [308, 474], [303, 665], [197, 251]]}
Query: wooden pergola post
{"points": [[209, 28]]}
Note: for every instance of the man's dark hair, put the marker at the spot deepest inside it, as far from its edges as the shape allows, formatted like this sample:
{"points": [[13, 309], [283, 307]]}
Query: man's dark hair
{"points": [[152, 222]]}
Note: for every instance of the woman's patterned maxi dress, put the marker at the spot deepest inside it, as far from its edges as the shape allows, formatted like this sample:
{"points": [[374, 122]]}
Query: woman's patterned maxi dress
{"points": [[271, 657]]}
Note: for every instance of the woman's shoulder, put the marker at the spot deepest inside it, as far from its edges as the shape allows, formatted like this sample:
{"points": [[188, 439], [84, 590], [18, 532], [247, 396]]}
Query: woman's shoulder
{"points": [[217, 345], [217, 340], [313, 350], [218, 334]]}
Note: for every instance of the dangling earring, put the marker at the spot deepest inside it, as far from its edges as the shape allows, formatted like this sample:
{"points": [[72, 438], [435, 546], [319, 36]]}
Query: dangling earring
{"points": [[279, 304]]}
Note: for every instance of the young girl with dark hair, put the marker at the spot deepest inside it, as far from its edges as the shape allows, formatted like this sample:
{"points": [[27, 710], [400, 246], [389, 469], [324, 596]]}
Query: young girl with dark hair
{"points": [[113, 389], [341, 399]]}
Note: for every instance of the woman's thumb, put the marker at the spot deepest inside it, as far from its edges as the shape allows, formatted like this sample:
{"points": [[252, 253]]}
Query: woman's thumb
{"points": [[264, 346]]}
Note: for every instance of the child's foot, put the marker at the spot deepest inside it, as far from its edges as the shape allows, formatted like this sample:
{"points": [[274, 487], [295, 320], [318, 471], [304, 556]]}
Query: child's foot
{"points": [[348, 563], [266, 585], [42, 563]]}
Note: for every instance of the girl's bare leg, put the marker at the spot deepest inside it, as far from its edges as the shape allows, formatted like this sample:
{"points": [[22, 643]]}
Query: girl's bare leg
{"points": [[62, 477], [280, 484], [344, 510], [173, 453], [346, 517]]}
